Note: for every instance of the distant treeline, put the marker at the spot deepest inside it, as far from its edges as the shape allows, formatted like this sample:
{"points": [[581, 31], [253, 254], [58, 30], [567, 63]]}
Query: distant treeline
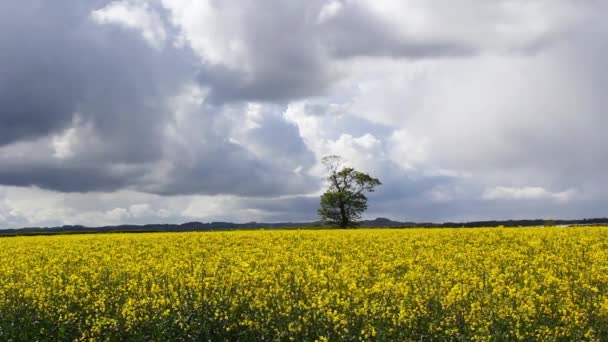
{"points": [[383, 222], [219, 226]]}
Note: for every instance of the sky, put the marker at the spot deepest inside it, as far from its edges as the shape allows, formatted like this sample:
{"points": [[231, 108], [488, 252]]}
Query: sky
{"points": [[169, 111]]}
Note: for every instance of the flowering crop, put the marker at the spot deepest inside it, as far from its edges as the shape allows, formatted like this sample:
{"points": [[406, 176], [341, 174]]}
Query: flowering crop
{"points": [[374, 284]]}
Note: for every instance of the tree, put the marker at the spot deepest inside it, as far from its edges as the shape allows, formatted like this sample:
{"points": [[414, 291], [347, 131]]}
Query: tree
{"points": [[344, 201]]}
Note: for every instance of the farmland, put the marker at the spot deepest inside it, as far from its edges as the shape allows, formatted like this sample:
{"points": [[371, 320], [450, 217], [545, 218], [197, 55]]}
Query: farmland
{"points": [[367, 284]]}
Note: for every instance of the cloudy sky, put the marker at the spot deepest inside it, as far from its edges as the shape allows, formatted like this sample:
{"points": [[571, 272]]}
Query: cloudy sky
{"points": [[135, 111]]}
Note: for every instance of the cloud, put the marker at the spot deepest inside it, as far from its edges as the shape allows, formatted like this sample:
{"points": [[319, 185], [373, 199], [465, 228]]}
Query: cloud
{"points": [[137, 16], [133, 110], [96, 91], [329, 10], [230, 150], [92, 109], [280, 51], [526, 193], [253, 54], [356, 29]]}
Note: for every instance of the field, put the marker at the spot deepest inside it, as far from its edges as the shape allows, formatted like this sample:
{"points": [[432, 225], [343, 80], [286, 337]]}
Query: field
{"points": [[434, 284]]}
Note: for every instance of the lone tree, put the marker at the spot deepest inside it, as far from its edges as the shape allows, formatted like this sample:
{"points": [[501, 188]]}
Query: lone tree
{"points": [[344, 201]]}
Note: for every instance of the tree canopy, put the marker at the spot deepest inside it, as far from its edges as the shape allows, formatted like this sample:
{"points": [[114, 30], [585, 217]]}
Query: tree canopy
{"points": [[344, 201]]}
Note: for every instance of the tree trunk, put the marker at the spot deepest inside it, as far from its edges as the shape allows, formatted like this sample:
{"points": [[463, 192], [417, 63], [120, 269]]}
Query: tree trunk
{"points": [[343, 218]]}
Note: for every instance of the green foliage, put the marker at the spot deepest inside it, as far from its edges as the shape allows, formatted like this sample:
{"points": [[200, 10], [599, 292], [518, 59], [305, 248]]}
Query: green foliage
{"points": [[550, 223], [344, 201]]}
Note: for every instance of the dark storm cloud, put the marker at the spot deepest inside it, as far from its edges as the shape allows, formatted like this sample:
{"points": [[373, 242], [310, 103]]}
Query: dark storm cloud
{"points": [[267, 159], [284, 59], [227, 168], [38, 85], [288, 51], [57, 62], [59, 66], [276, 81], [66, 178], [355, 31]]}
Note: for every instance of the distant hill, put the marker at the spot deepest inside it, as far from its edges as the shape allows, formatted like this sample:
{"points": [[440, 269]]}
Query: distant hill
{"points": [[379, 222]]}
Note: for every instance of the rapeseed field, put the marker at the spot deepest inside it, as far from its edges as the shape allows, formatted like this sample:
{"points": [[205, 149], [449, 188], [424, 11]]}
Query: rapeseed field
{"points": [[368, 284]]}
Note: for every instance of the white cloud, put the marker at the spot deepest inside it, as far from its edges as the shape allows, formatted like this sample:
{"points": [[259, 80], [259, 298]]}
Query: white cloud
{"points": [[527, 193], [500, 26], [135, 15], [31, 207], [329, 10], [118, 214], [359, 152], [214, 35], [141, 210], [408, 150]]}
